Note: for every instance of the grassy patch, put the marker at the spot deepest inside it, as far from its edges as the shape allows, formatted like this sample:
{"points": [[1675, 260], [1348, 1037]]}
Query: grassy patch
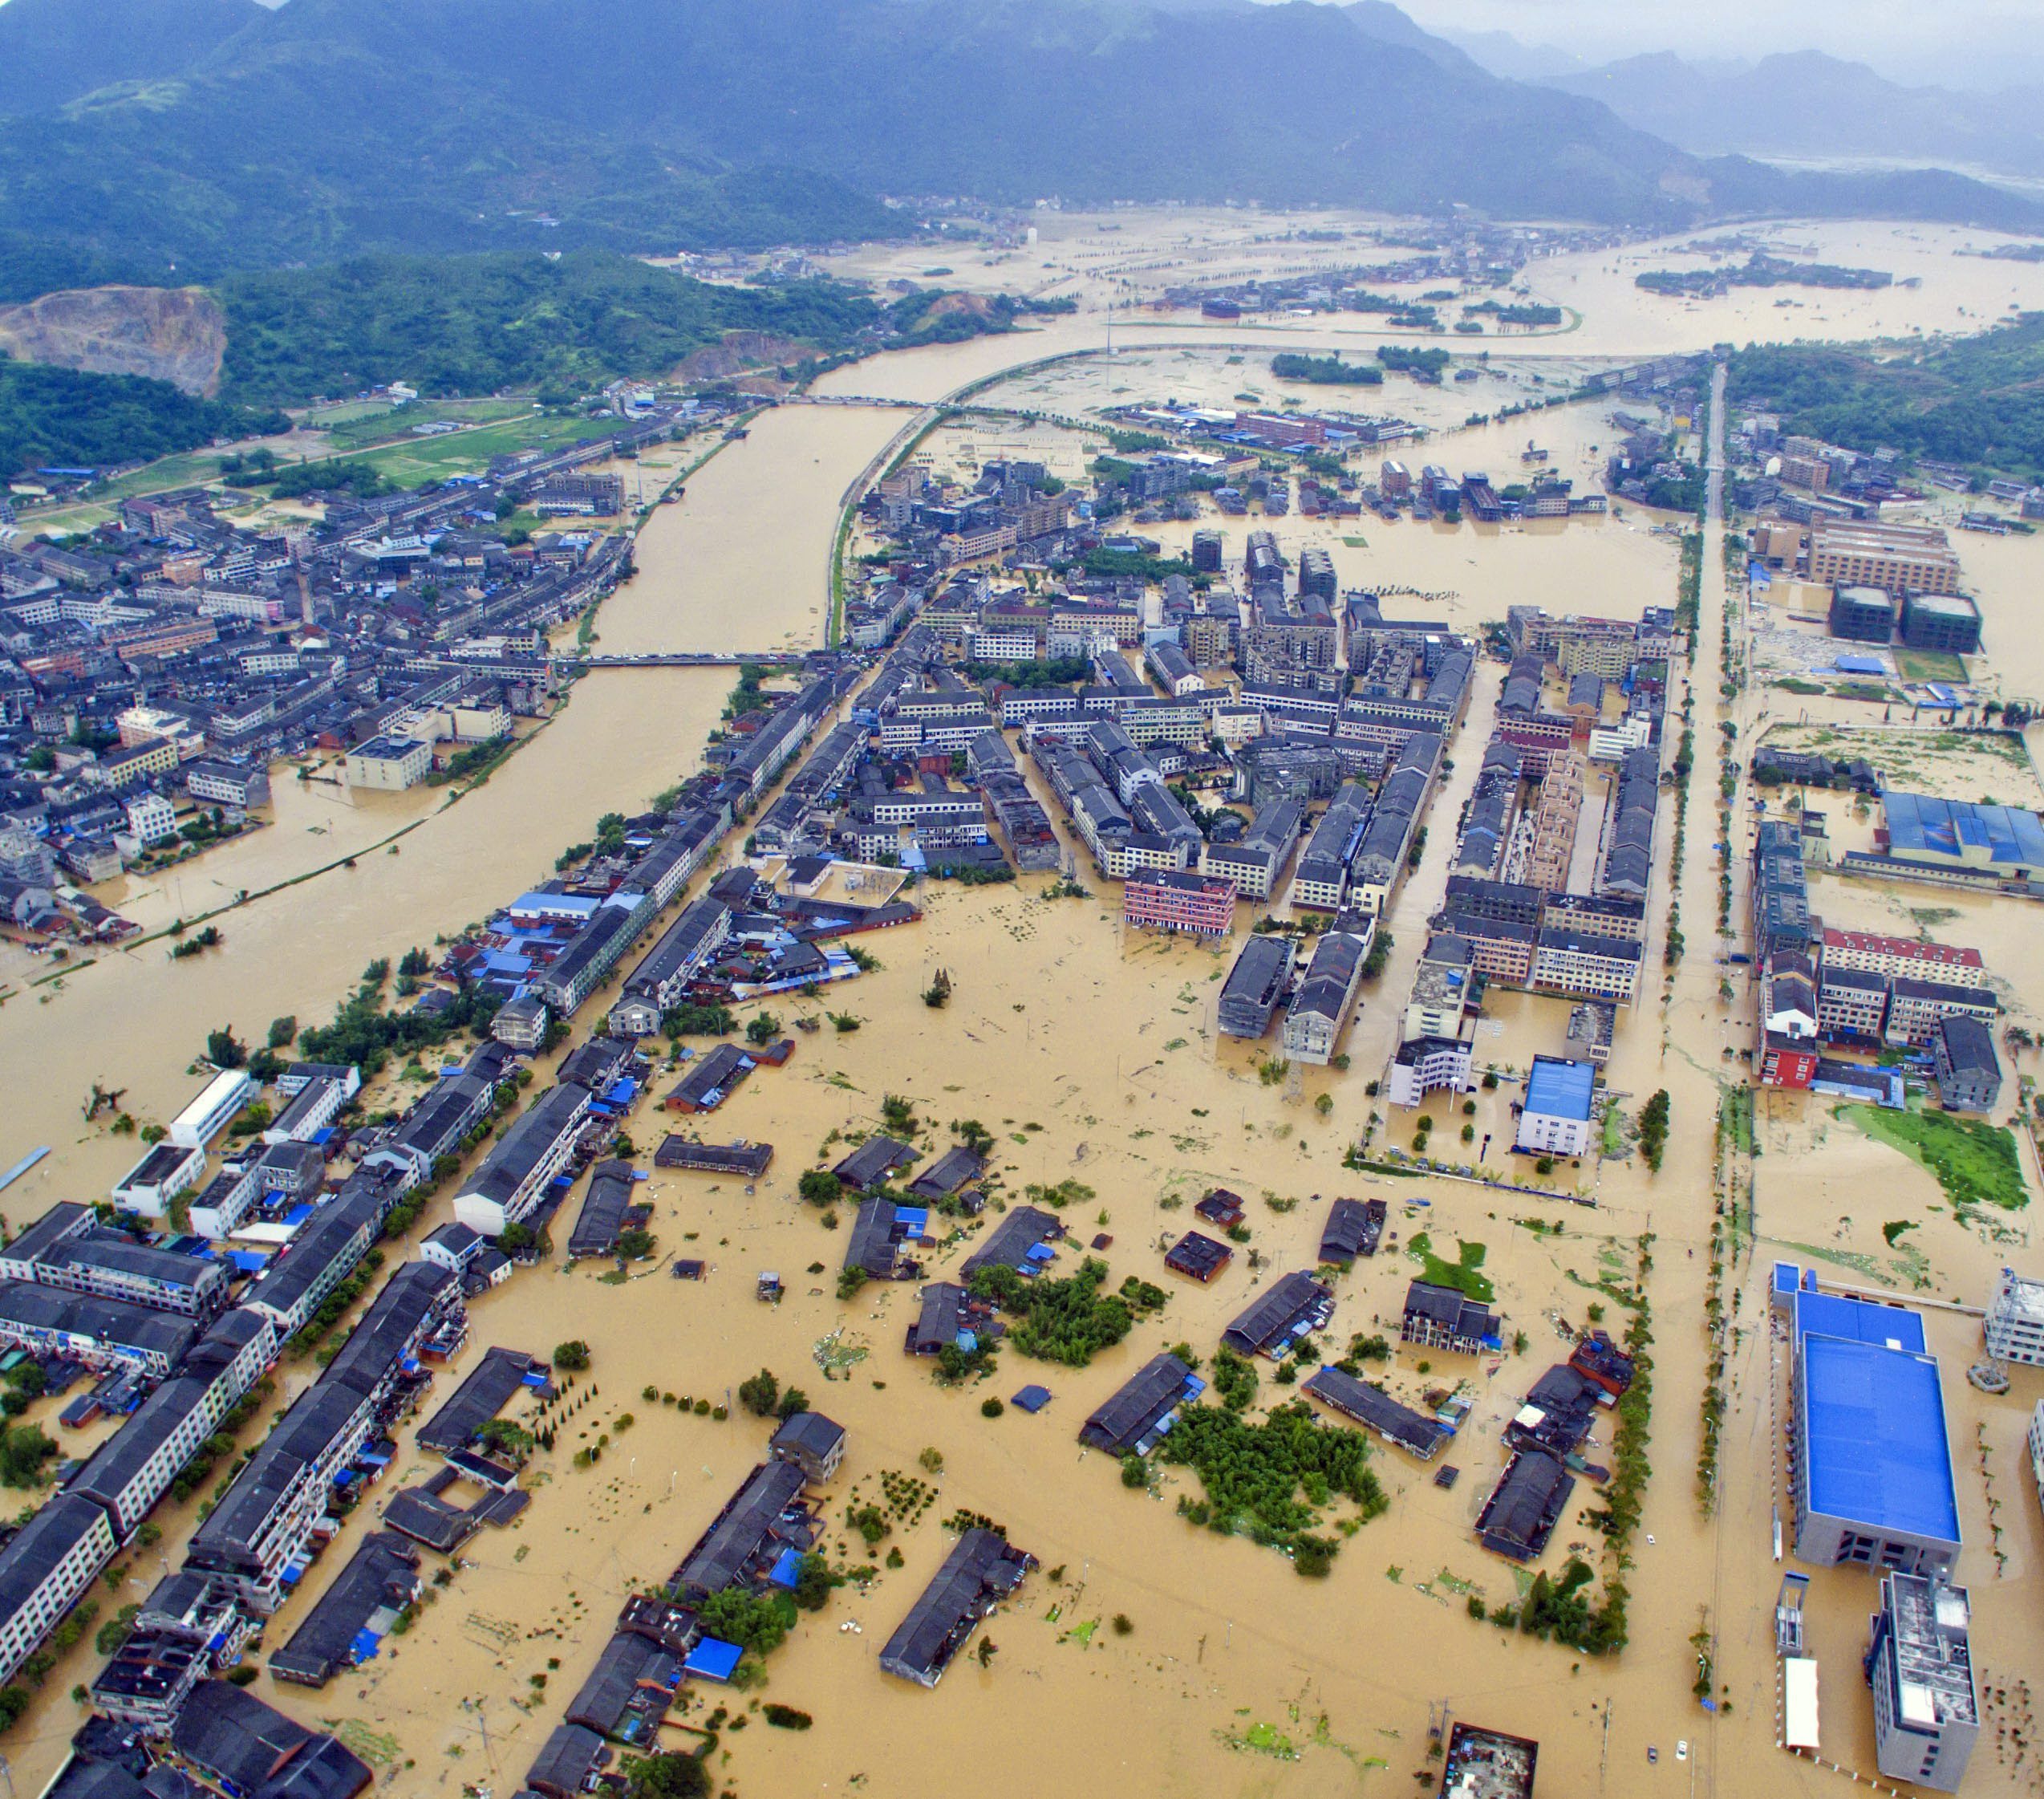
{"points": [[417, 460], [1465, 1274], [1974, 1162], [1929, 665]]}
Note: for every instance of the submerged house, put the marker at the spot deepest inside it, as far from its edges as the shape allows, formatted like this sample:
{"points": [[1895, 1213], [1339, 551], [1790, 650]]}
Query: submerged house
{"points": [[1143, 1408], [981, 1570]]}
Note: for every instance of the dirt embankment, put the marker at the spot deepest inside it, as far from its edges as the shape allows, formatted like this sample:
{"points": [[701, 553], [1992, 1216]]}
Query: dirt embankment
{"points": [[175, 333], [739, 353]]}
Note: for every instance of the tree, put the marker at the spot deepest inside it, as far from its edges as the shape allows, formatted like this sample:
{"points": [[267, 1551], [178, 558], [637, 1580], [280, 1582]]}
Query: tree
{"points": [[572, 1357], [281, 1032], [224, 1049], [737, 1616], [23, 1450], [762, 1393], [820, 1187], [671, 1775], [793, 1400], [514, 1238], [1653, 1129], [814, 1582], [762, 1029]]}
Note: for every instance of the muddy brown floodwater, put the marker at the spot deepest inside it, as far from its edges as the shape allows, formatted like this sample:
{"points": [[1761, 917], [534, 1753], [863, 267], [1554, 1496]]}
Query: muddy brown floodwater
{"points": [[1093, 1057]]}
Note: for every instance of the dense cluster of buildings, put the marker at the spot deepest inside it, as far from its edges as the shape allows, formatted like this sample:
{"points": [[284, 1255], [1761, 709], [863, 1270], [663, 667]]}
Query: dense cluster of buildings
{"points": [[1890, 581], [151, 672], [1825, 993], [163, 1681]]}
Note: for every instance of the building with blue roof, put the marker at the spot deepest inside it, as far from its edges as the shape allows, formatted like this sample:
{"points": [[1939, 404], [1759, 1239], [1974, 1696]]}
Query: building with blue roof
{"points": [[1870, 1471], [1555, 1118], [2004, 841]]}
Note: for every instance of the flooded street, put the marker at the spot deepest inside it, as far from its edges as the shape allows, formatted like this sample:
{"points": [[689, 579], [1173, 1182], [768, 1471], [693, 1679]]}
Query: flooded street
{"points": [[1092, 1056]]}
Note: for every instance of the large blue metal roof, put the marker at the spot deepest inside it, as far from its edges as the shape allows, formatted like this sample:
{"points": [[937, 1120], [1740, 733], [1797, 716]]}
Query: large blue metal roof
{"points": [[1859, 1320], [1559, 1088], [1924, 825], [1874, 1434]]}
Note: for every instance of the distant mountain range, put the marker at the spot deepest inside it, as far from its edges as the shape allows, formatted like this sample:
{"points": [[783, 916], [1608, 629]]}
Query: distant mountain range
{"points": [[139, 134], [1811, 105]]}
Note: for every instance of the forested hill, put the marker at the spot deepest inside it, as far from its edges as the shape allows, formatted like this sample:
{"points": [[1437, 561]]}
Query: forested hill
{"points": [[513, 320], [55, 417], [483, 324], [1977, 401], [225, 135]]}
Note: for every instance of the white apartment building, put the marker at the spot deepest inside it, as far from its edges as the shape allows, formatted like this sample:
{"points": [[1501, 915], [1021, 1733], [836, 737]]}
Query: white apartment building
{"points": [[2015, 1320]]}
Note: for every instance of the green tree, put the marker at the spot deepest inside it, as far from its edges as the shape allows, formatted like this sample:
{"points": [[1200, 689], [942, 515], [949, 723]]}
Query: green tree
{"points": [[23, 1450], [761, 1393], [667, 1775], [814, 1582], [224, 1049], [571, 1357], [745, 1618], [820, 1187]]}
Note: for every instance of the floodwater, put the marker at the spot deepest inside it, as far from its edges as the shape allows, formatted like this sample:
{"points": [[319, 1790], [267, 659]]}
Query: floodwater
{"points": [[1093, 1057]]}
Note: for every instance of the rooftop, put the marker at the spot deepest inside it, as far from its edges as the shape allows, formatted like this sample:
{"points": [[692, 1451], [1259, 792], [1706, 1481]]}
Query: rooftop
{"points": [[1560, 1089], [1873, 1420], [1931, 1624]]}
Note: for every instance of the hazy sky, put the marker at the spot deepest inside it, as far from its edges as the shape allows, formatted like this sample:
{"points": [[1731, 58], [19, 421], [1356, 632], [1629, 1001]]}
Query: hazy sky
{"points": [[1984, 42]]}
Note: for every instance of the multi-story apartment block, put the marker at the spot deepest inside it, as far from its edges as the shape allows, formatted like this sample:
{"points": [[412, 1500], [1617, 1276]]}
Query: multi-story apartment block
{"points": [[1321, 1010], [2015, 1320], [1850, 1002], [1918, 1662], [1900, 956], [1168, 900], [1914, 1006]]}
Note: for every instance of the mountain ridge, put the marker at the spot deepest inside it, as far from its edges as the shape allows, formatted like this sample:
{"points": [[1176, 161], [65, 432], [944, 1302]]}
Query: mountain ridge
{"points": [[238, 136]]}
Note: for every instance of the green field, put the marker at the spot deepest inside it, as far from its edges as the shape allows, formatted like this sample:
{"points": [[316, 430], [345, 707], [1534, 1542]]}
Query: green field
{"points": [[1465, 1273], [1930, 665], [350, 427], [1975, 1162], [417, 460]]}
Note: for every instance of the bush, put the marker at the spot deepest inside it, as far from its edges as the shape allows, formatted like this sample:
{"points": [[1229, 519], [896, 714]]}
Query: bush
{"points": [[990, 1408], [785, 1717], [571, 1357], [1135, 1472]]}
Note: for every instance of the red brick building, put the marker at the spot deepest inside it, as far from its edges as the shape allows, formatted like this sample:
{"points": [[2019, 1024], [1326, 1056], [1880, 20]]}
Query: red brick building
{"points": [[1167, 900]]}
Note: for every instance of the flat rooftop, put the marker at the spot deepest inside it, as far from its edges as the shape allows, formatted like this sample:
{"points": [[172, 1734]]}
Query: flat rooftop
{"points": [[1874, 1430], [1933, 1656], [1859, 1320], [1560, 1089]]}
